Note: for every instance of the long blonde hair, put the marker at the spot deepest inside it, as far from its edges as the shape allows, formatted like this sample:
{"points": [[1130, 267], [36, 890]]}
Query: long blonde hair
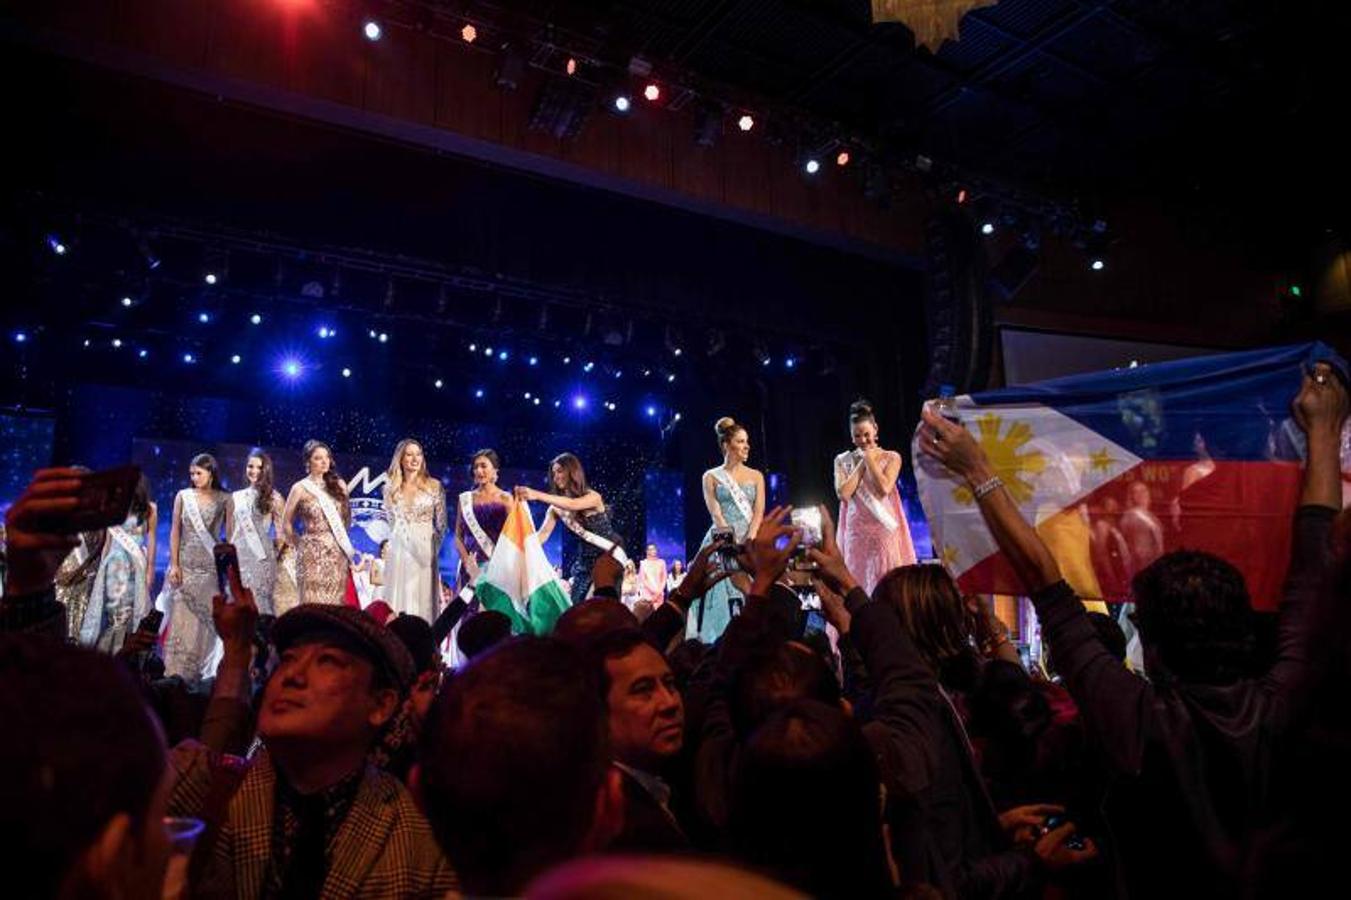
{"points": [[394, 474]]}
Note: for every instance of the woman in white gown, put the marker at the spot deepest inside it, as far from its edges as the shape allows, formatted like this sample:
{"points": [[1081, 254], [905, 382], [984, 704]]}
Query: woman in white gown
{"points": [[416, 505]]}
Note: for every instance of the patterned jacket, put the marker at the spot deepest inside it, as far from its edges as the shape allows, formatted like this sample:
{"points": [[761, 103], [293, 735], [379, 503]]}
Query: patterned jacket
{"points": [[384, 848]]}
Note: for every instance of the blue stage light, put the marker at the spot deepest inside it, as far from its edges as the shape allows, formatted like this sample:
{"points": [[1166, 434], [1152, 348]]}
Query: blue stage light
{"points": [[189, 358], [126, 301], [20, 337], [56, 244], [502, 355], [651, 411], [235, 359], [204, 317], [579, 402], [210, 278], [291, 367], [325, 332], [143, 354], [346, 373], [479, 393], [534, 360], [258, 320], [487, 351]]}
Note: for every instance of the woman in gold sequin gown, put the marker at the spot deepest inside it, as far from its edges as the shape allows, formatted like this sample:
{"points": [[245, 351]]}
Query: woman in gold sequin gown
{"points": [[321, 563]]}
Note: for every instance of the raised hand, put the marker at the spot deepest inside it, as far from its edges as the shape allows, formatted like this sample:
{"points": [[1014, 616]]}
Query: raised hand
{"points": [[699, 577], [237, 621], [39, 530], [762, 557], [952, 445], [831, 569]]}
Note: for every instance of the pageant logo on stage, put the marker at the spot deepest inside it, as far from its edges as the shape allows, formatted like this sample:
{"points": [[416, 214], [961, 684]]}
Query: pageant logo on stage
{"points": [[368, 506]]}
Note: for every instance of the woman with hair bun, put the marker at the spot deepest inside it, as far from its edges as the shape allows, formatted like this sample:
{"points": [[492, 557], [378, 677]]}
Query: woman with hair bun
{"points": [[735, 496], [872, 534]]}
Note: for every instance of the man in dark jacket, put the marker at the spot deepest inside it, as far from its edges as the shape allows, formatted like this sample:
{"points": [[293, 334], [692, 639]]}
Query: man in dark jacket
{"points": [[1191, 749]]}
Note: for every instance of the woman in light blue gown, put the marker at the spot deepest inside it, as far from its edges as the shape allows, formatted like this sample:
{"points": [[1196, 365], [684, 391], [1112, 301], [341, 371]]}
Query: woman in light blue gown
{"points": [[735, 496]]}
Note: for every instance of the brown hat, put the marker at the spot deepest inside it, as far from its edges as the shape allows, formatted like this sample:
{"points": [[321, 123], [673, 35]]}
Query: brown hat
{"points": [[354, 629]]}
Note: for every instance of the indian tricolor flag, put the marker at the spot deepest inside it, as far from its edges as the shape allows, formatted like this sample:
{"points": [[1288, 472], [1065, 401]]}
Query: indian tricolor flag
{"points": [[518, 580], [1117, 468]]}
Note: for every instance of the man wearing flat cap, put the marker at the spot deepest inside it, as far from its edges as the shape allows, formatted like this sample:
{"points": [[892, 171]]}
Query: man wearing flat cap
{"points": [[305, 816]]}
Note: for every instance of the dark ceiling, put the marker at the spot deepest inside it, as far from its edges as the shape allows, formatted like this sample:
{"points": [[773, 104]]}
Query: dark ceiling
{"points": [[1217, 107]]}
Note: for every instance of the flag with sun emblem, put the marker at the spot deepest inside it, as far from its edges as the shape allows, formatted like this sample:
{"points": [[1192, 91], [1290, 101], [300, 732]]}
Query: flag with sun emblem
{"points": [[1117, 468]]}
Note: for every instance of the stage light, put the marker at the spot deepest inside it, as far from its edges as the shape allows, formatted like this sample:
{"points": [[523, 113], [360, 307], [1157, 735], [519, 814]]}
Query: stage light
{"points": [[766, 361], [1296, 291], [346, 373], [746, 122], [439, 384], [372, 333], [571, 67], [987, 228], [557, 403], [652, 92], [588, 367], [677, 417], [291, 368], [143, 354], [126, 301], [487, 351], [534, 360], [372, 30], [469, 34], [1097, 265], [677, 351], [813, 166], [473, 348], [621, 104], [651, 411], [670, 378], [842, 159], [526, 395], [790, 363], [20, 337], [579, 402], [536, 401], [325, 332], [567, 360], [619, 373], [384, 338], [203, 317], [646, 372], [235, 359], [117, 343], [210, 278], [87, 342], [502, 355], [610, 406], [479, 393], [58, 247], [258, 320], [189, 358]]}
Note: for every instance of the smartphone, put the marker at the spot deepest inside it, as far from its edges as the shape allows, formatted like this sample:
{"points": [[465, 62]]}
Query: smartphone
{"points": [[227, 558], [807, 521], [723, 557], [816, 622], [151, 623], [1053, 821], [104, 499]]}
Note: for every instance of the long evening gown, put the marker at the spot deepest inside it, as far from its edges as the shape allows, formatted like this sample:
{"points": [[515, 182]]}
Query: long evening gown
{"points": [[192, 634], [321, 566], [585, 555], [870, 548], [119, 598], [709, 616], [412, 582], [258, 575]]}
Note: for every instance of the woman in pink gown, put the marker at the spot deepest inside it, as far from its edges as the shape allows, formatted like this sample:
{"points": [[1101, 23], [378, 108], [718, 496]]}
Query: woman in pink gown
{"points": [[872, 533]]}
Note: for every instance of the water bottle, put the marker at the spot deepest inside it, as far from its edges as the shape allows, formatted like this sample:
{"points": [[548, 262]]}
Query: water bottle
{"points": [[946, 404]]}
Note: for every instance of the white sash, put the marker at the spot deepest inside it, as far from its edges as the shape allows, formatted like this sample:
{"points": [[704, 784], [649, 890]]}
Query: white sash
{"points": [[484, 542], [330, 511], [244, 527], [569, 520], [875, 504], [198, 525], [739, 498], [93, 614]]}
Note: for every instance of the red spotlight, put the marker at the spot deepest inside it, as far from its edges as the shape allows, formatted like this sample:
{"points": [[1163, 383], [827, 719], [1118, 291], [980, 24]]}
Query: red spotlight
{"points": [[652, 92], [843, 158], [571, 67], [961, 196], [469, 33]]}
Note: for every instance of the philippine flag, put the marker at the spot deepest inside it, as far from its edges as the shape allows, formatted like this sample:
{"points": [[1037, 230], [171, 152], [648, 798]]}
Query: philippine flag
{"points": [[1117, 468]]}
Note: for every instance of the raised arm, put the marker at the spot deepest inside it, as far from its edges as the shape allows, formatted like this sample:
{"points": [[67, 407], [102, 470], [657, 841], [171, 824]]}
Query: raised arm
{"points": [[884, 467], [588, 501], [846, 483], [1320, 409], [546, 527], [1113, 700]]}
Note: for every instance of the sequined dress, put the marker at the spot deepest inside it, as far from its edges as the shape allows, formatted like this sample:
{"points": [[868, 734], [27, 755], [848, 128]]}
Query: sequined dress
{"points": [[322, 569], [258, 574], [412, 582], [192, 634]]}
